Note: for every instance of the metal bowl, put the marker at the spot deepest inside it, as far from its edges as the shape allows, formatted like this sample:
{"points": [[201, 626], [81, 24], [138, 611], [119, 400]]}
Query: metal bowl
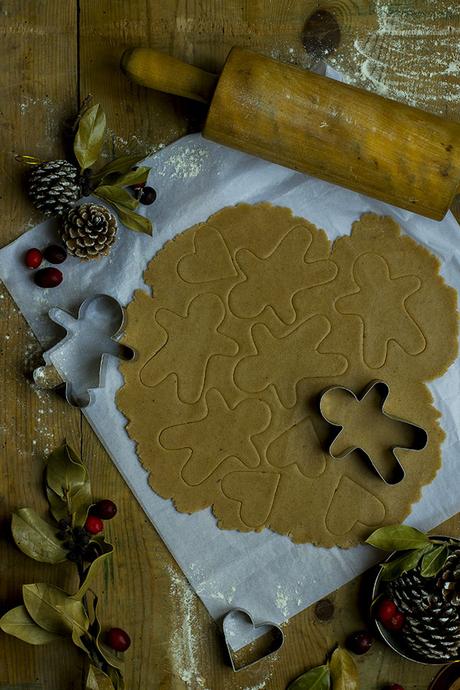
{"points": [[390, 638]]}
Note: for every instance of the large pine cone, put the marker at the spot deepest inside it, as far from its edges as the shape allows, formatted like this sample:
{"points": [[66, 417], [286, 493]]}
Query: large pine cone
{"points": [[88, 231], [432, 625], [54, 187]]}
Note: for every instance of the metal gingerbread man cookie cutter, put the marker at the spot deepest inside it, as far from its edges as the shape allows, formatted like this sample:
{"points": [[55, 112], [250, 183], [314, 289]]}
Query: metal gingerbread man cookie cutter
{"points": [[229, 618], [78, 361], [384, 389]]}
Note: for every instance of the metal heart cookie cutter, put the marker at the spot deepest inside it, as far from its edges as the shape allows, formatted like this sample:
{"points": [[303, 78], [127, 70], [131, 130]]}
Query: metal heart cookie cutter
{"points": [[420, 434], [232, 623], [78, 361]]}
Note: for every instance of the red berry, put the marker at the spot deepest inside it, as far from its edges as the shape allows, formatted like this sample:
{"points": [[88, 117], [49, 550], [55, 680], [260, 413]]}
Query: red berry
{"points": [[105, 509], [94, 524], [148, 196], [118, 639], [396, 622], [386, 610], [55, 254], [394, 686], [360, 642], [48, 277], [33, 258]]}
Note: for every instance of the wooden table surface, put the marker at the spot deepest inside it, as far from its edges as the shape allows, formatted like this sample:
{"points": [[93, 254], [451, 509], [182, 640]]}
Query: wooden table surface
{"points": [[55, 52]]}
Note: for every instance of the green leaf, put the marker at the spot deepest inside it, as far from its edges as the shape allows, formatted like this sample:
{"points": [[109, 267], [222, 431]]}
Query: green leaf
{"points": [[344, 672], [90, 136], [97, 680], [120, 165], [94, 568], [434, 561], [397, 566], [134, 221], [398, 538], [17, 622], [54, 610], [36, 537], [117, 196], [316, 679], [133, 177], [67, 477]]}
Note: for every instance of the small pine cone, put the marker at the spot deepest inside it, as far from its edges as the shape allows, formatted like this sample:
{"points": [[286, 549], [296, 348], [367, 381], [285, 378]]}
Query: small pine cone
{"points": [[54, 187], [449, 578], [88, 231], [432, 625]]}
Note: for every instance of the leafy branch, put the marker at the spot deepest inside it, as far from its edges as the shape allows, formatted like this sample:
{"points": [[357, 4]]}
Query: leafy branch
{"points": [[109, 182], [48, 613], [416, 549]]}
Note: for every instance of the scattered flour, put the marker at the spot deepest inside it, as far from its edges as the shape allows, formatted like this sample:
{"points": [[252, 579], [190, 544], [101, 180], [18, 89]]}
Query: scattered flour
{"points": [[184, 640], [185, 164], [412, 56]]}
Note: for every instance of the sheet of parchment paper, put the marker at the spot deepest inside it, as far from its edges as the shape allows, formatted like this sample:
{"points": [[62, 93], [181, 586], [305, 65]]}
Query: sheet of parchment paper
{"points": [[264, 573]]}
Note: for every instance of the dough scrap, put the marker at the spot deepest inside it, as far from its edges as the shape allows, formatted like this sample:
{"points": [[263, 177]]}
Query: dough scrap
{"points": [[254, 313]]}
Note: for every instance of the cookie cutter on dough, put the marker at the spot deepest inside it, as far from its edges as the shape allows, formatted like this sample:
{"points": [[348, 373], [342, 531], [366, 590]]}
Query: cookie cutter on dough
{"points": [[275, 646], [78, 361], [385, 391]]}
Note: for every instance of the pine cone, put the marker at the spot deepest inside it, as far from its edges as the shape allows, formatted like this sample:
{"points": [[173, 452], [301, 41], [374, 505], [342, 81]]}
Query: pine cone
{"points": [[54, 187], [88, 231], [449, 578], [432, 625]]}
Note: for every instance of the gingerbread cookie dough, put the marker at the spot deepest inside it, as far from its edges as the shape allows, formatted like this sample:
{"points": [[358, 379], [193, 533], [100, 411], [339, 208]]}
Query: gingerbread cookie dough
{"points": [[254, 313]]}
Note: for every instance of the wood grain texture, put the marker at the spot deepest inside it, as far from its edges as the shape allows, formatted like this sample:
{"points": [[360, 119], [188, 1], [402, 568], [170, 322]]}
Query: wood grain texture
{"points": [[175, 644]]}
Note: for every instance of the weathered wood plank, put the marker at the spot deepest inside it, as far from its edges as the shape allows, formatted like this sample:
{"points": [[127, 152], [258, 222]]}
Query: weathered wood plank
{"points": [[38, 89]]}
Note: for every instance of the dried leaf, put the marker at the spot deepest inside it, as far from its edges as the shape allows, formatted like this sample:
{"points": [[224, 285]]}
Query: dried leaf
{"points": [[398, 538], [97, 680], [95, 629], [54, 610], [134, 221], [434, 561], [93, 569], [36, 537], [117, 196], [58, 508], [67, 477], [397, 566], [344, 673], [90, 136], [315, 679], [17, 622], [116, 678], [133, 177], [120, 165]]}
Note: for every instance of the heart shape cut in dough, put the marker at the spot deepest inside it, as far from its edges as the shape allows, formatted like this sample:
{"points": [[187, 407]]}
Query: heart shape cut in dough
{"points": [[255, 491], [238, 624], [210, 259], [352, 503]]}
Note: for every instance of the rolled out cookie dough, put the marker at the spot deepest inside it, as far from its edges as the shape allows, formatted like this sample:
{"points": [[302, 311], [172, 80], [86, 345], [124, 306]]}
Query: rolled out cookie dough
{"points": [[254, 313]]}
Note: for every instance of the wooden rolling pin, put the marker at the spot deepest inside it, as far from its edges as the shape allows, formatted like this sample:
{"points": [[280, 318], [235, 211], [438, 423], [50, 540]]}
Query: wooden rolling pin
{"points": [[353, 138]]}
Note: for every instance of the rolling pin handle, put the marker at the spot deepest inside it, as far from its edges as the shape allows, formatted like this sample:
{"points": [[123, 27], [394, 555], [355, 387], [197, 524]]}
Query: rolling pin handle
{"points": [[162, 72]]}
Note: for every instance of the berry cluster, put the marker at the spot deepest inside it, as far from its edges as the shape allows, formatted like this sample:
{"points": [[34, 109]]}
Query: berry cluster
{"points": [[78, 540], [81, 547], [46, 277]]}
